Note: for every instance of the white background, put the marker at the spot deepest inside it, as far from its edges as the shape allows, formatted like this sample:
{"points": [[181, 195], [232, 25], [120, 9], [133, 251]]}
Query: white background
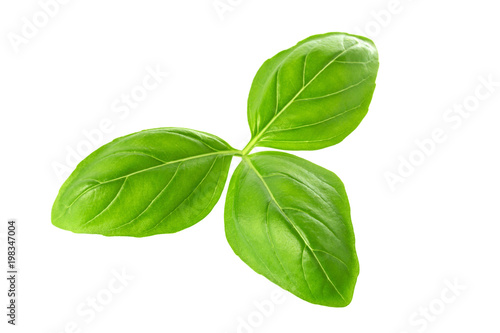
{"points": [[441, 224]]}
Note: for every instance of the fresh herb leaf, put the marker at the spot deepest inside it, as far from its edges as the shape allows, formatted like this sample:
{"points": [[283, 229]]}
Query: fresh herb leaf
{"points": [[314, 94], [289, 220], [151, 182]]}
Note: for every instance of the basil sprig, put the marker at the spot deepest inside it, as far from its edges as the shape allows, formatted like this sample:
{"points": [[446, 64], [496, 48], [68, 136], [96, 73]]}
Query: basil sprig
{"points": [[285, 217]]}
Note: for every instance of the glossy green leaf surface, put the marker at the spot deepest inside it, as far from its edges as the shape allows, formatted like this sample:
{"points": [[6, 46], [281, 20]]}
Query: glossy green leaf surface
{"points": [[151, 182], [285, 217], [314, 94], [289, 220]]}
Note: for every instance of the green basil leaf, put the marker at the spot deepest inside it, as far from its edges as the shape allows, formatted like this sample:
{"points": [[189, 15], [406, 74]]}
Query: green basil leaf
{"points": [[289, 220], [314, 94], [151, 182]]}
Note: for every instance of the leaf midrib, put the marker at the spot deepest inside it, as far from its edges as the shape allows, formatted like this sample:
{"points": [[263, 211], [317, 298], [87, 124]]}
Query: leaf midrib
{"points": [[223, 152]]}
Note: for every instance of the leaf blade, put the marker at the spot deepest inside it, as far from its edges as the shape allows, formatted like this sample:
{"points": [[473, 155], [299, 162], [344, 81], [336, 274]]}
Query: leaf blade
{"points": [[275, 224], [299, 88], [161, 173]]}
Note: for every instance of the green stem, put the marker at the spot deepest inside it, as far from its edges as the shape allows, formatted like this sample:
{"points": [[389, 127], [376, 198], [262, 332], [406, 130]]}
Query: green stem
{"points": [[251, 145], [237, 153]]}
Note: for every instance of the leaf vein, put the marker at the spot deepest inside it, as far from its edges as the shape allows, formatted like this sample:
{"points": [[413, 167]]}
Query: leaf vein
{"points": [[109, 205], [271, 242], [152, 201], [318, 122], [171, 212], [333, 93]]}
